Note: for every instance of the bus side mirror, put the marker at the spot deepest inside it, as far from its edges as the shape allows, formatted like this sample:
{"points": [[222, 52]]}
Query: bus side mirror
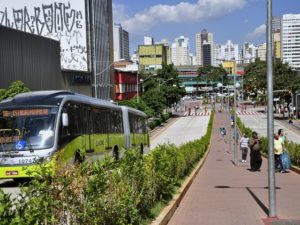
{"points": [[65, 119]]}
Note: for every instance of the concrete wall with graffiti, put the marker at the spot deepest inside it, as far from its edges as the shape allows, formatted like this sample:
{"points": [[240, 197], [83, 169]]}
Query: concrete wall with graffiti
{"points": [[62, 20]]}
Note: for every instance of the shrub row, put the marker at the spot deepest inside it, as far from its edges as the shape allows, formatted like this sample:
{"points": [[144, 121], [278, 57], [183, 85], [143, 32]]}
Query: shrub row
{"points": [[292, 148], [106, 191], [159, 121]]}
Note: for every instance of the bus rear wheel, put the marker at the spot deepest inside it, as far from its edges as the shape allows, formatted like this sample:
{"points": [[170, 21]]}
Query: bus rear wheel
{"points": [[142, 149]]}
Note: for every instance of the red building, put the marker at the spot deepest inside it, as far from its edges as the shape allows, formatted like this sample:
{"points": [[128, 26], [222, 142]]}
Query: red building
{"points": [[126, 84]]}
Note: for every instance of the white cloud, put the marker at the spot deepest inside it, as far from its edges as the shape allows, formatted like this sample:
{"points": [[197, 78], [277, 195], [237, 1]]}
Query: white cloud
{"points": [[258, 32], [182, 12], [119, 13]]}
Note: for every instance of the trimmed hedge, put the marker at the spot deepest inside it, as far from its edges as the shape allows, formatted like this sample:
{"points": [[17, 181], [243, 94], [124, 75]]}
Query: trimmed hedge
{"points": [[104, 191], [292, 148]]}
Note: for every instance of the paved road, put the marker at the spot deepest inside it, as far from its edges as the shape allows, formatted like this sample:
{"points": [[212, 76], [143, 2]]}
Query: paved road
{"points": [[258, 123], [224, 194], [183, 130]]}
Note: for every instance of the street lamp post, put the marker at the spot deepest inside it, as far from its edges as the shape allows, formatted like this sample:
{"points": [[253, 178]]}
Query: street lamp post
{"points": [[270, 118], [235, 86], [220, 85]]}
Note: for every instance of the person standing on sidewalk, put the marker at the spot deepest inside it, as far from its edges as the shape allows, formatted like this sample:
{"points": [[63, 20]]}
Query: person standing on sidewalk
{"points": [[255, 155], [278, 150], [244, 147]]}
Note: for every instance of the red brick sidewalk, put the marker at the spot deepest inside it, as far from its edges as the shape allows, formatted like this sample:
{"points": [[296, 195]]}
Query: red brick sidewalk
{"points": [[224, 194]]}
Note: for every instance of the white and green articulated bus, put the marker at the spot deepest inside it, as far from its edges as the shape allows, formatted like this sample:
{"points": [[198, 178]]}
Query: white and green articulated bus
{"points": [[62, 127]]}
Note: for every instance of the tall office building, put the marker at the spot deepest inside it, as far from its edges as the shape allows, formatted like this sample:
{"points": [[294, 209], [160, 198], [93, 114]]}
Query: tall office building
{"points": [[207, 49], [121, 43], [290, 40], [229, 51], [84, 30], [276, 23], [180, 51], [200, 38], [148, 40]]}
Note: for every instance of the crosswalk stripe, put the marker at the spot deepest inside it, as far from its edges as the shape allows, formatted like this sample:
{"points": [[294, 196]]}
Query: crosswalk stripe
{"points": [[250, 113]]}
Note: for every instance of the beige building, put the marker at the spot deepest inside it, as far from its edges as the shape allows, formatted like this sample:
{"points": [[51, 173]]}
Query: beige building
{"points": [[261, 52]]}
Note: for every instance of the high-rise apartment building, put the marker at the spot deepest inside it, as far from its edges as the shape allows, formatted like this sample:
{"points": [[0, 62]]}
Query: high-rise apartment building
{"points": [[261, 52], [249, 52], [290, 40], [229, 51], [121, 43], [200, 38], [180, 51]]}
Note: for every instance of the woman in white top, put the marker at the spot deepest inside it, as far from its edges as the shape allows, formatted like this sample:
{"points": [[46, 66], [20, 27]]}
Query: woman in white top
{"points": [[244, 147]]}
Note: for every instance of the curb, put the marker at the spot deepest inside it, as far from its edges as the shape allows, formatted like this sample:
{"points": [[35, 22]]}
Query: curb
{"points": [[156, 131], [167, 213]]}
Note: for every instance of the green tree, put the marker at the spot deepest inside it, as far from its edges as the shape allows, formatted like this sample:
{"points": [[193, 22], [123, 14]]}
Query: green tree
{"points": [[15, 88], [170, 84], [140, 105], [255, 78], [155, 100], [2, 94], [285, 78]]}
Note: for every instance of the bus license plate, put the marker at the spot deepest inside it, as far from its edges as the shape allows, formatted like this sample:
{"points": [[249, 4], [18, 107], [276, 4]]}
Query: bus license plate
{"points": [[11, 173]]}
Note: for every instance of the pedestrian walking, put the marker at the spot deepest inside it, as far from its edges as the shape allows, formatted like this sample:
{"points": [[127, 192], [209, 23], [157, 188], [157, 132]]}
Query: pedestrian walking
{"points": [[278, 150], [255, 155], [244, 142]]}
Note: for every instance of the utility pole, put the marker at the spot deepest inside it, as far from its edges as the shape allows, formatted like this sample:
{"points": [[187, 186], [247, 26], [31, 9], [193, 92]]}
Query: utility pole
{"points": [[271, 164], [235, 130]]}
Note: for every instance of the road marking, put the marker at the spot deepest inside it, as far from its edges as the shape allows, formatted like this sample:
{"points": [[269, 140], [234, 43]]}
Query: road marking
{"points": [[250, 113]]}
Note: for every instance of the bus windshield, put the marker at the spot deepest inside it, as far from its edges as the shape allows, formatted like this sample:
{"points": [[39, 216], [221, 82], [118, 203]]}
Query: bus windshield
{"points": [[26, 129]]}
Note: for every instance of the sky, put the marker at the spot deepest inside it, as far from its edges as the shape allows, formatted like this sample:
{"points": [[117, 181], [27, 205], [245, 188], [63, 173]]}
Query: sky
{"points": [[237, 20]]}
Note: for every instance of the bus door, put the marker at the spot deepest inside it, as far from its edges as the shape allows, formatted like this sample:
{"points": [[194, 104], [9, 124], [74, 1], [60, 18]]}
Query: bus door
{"points": [[88, 129]]}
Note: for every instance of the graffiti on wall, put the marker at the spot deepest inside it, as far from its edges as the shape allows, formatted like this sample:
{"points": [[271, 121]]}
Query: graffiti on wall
{"points": [[60, 20]]}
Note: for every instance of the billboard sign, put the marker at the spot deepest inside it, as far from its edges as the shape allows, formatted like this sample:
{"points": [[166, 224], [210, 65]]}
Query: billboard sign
{"points": [[61, 20]]}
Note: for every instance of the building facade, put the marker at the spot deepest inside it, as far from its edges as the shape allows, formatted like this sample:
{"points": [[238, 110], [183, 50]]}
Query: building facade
{"points": [[180, 51], [277, 44], [148, 40], [202, 37], [121, 43], [290, 40], [276, 23], [151, 57], [249, 52], [229, 51], [261, 52], [126, 84], [33, 59], [84, 30]]}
